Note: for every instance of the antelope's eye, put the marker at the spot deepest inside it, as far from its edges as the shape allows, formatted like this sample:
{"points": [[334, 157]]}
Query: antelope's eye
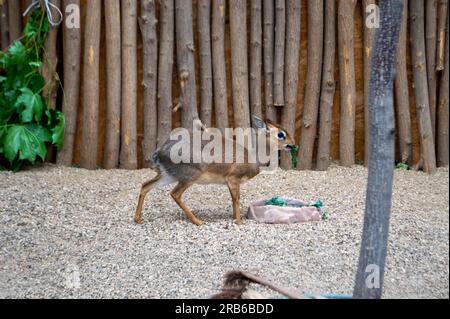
{"points": [[281, 136]]}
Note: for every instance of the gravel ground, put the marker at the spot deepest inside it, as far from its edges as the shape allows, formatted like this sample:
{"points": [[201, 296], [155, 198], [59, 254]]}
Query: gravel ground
{"points": [[68, 232]]}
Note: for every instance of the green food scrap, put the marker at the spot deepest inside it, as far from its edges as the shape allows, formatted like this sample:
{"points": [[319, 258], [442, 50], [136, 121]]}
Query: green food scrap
{"points": [[294, 160], [276, 201], [402, 166]]}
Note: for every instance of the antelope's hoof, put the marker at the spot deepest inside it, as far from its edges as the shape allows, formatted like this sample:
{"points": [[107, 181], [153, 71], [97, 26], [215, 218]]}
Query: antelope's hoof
{"points": [[138, 221], [239, 222], [197, 222]]}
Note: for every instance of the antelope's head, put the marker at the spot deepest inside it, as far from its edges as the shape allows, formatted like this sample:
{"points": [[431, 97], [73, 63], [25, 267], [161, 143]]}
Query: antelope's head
{"points": [[275, 134]]}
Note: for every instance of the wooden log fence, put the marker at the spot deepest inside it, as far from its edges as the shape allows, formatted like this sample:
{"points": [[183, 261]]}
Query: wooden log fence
{"points": [[136, 69]]}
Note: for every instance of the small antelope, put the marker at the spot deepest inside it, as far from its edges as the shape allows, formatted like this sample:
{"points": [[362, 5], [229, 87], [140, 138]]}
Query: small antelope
{"points": [[232, 174]]}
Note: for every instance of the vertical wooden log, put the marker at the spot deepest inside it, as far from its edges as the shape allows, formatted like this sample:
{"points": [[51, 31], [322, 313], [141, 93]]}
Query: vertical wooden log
{"points": [[4, 22], [15, 19], [256, 57], [328, 87], [442, 23], [128, 154], [91, 85], [218, 59], [165, 70], [347, 81], [374, 243], [280, 35], [150, 42], [313, 80], [186, 61], [369, 33], [111, 156], [430, 43], [239, 65], [204, 32], [268, 52], [443, 112], [51, 62], [72, 61], [417, 25], [402, 93], [293, 31]]}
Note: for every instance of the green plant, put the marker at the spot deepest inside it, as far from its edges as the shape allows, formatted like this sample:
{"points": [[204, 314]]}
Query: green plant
{"points": [[27, 125]]}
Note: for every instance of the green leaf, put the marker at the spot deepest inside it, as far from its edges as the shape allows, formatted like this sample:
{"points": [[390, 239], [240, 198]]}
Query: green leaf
{"points": [[58, 131], [35, 64], [34, 105], [23, 141], [6, 111], [40, 132], [2, 136], [37, 82], [17, 55]]}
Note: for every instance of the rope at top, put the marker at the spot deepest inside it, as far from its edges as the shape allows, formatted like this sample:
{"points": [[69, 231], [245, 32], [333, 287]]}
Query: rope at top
{"points": [[48, 8]]}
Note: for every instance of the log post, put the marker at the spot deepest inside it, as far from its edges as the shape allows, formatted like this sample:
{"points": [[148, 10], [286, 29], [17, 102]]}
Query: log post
{"points": [[4, 25], [256, 57], [50, 65], [369, 33], [91, 85], [417, 25], [165, 70], [111, 156], [430, 44], [280, 35], [128, 153], [328, 87], [268, 52], [313, 80], [218, 60], [15, 19], [186, 61], [442, 25], [204, 33], [293, 28], [443, 111], [347, 81], [71, 61], [239, 65], [150, 81], [402, 93]]}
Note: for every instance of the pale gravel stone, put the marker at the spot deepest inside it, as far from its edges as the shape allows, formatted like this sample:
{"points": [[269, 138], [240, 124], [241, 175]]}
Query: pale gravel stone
{"points": [[68, 233]]}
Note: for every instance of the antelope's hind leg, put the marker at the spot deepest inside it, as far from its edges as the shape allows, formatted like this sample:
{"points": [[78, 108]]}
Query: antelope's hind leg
{"points": [[177, 193], [146, 187]]}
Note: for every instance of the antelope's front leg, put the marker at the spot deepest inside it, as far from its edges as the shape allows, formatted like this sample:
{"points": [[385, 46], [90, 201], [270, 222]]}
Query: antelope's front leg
{"points": [[234, 187]]}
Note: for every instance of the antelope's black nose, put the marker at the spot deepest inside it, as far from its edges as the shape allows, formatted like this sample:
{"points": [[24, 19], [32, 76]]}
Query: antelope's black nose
{"points": [[289, 147]]}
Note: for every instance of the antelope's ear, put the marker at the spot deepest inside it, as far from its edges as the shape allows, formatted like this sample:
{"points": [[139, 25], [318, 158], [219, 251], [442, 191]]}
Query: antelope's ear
{"points": [[258, 123]]}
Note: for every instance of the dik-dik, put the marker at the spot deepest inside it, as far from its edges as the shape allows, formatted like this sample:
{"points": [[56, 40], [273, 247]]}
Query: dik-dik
{"points": [[231, 173]]}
